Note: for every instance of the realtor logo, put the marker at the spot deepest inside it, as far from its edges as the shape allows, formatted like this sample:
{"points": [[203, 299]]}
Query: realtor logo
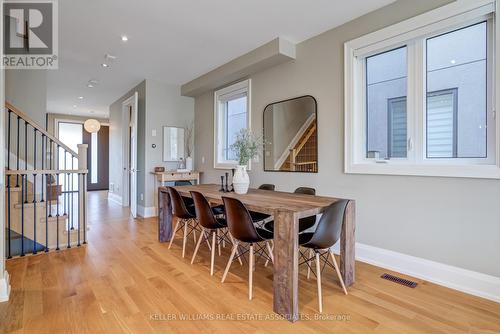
{"points": [[30, 35]]}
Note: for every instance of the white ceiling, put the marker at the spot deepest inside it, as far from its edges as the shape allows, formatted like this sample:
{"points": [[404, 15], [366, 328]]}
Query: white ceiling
{"points": [[173, 41]]}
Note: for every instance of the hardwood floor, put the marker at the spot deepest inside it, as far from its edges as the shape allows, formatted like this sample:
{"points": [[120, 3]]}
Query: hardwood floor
{"points": [[124, 281]]}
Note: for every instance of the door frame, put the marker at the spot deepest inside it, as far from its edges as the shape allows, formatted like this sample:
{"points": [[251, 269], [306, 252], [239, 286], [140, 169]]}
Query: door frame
{"points": [[129, 175], [4, 276], [58, 120], [76, 120], [102, 158]]}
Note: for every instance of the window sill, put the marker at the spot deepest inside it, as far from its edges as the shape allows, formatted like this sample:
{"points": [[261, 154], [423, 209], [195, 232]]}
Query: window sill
{"points": [[229, 166], [460, 171]]}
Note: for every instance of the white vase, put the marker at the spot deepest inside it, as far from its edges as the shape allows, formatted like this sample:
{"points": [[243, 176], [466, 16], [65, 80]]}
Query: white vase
{"points": [[189, 163], [241, 181]]}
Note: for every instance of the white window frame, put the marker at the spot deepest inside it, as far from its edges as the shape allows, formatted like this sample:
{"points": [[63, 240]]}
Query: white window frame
{"points": [[220, 97], [412, 33]]}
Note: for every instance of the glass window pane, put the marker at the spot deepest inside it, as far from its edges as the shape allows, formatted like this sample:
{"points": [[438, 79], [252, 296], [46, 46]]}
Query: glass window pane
{"points": [[456, 94], [441, 120], [397, 128], [236, 119], [386, 75], [71, 134]]}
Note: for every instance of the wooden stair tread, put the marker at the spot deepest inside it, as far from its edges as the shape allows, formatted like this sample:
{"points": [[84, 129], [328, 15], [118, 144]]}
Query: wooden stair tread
{"points": [[38, 204], [54, 218]]}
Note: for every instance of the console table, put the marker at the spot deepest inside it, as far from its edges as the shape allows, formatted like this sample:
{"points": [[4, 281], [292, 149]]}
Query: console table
{"points": [[171, 176]]}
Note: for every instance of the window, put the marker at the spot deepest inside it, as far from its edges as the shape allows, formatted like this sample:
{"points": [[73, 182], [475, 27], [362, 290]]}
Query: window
{"points": [[71, 134], [386, 103], [457, 61], [420, 98], [232, 113], [235, 115]]}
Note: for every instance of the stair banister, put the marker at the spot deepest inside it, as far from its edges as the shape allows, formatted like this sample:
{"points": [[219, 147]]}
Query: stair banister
{"points": [[49, 170], [32, 123], [82, 194]]}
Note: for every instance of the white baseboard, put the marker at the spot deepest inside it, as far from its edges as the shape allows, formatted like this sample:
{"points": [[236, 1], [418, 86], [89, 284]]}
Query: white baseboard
{"points": [[115, 198], [468, 281], [146, 212], [4, 287]]}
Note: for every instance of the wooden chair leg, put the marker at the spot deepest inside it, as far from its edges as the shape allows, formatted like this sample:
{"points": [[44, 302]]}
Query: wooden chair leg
{"points": [[212, 258], [184, 238], [271, 252], [202, 234], [250, 272], [218, 241], [318, 279], [208, 242], [309, 263], [232, 240], [173, 233], [338, 272], [235, 248]]}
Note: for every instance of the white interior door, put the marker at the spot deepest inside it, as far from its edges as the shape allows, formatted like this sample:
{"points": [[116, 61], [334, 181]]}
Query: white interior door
{"points": [[129, 184]]}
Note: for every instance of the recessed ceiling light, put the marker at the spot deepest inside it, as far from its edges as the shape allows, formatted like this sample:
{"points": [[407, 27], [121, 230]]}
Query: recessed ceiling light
{"points": [[80, 97], [74, 105], [104, 65], [124, 38], [92, 83], [453, 61]]}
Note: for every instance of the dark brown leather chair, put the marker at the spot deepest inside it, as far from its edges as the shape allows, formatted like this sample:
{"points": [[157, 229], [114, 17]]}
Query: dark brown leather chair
{"points": [[243, 230], [304, 223], [184, 219], [187, 200], [320, 241], [211, 225]]}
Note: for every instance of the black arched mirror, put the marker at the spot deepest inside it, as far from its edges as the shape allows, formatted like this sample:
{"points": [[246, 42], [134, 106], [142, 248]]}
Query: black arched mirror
{"points": [[291, 136]]}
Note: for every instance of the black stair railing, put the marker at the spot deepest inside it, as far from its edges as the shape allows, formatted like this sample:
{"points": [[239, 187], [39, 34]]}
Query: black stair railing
{"points": [[46, 183]]}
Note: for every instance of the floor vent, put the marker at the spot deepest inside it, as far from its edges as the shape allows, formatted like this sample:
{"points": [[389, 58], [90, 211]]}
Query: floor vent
{"points": [[399, 280]]}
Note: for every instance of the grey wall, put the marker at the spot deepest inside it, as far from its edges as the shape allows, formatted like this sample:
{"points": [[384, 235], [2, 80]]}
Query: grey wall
{"points": [[27, 90], [165, 106], [159, 104], [116, 137], [450, 220]]}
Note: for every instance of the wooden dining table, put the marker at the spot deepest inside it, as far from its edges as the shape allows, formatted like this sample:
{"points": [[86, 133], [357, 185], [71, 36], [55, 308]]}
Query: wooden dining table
{"points": [[287, 209]]}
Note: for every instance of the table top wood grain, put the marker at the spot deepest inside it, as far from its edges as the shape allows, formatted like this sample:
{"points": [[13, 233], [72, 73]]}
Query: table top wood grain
{"points": [[264, 200]]}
